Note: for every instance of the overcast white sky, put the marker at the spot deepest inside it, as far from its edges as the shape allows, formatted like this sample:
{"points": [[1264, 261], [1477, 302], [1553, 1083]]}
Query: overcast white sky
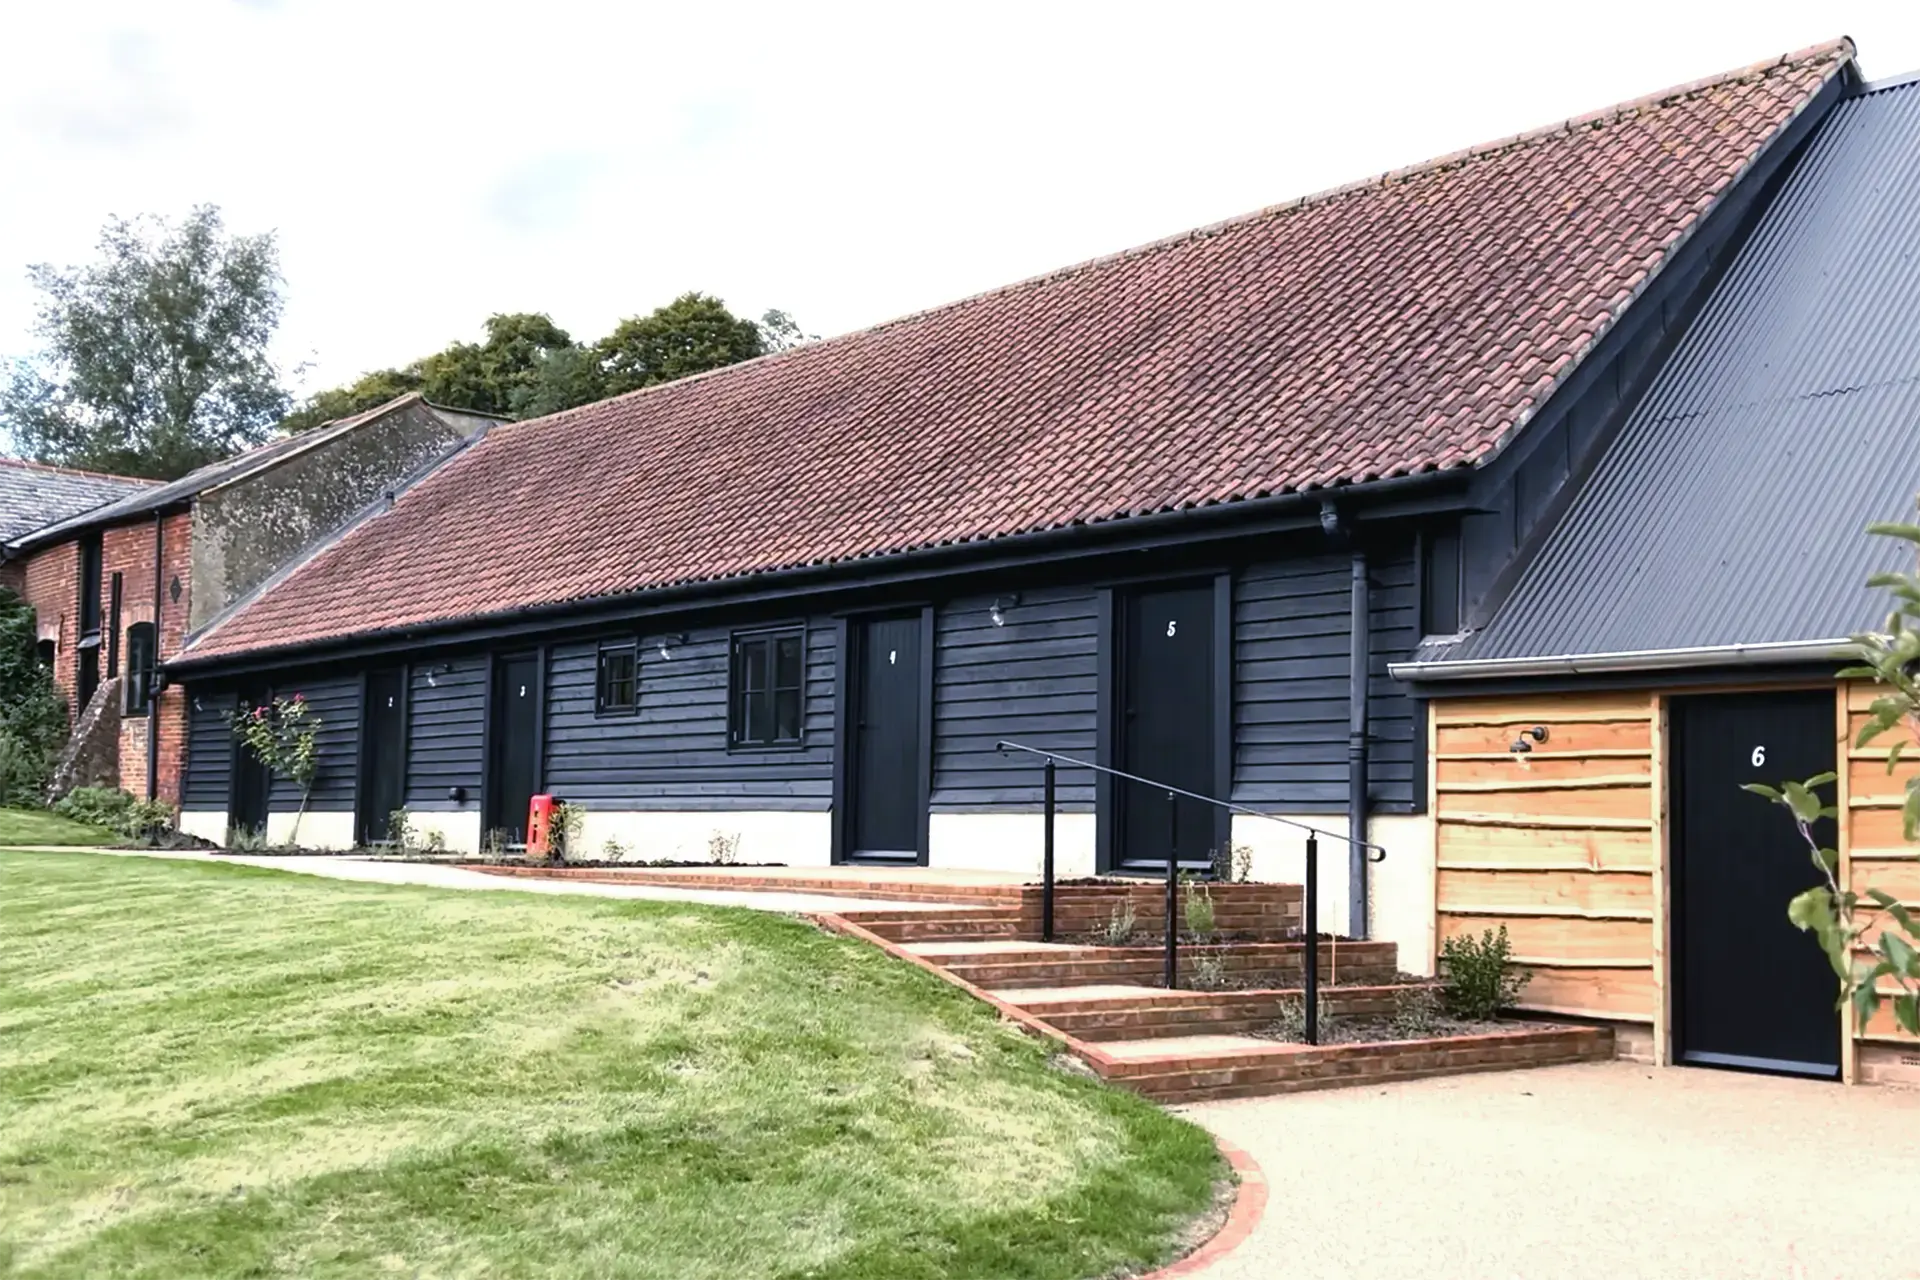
{"points": [[427, 165]]}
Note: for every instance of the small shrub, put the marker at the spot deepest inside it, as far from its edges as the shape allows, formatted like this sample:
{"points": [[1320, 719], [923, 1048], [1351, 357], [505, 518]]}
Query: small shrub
{"points": [[563, 835], [1481, 976], [613, 850], [96, 806], [435, 841], [243, 839], [400, 833], [1290, 1020], [1120, 924], [1416, 1012], [147, 819], [1199, 910], [494, 843], [723, 847], [1207, 971]]}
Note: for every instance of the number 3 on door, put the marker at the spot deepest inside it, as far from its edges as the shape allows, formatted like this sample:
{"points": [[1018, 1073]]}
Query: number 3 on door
{"points": [[1759, 756]]}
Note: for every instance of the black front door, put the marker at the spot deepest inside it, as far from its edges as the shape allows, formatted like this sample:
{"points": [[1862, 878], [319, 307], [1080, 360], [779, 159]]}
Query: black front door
{"points": [[247, 799], [514, 774], [884, 809], [1751, 989], [1166, 726], [383, 754]]}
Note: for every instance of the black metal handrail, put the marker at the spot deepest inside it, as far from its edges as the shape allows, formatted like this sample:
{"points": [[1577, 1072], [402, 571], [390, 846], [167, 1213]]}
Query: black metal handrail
{"points": [[1310, 887]]}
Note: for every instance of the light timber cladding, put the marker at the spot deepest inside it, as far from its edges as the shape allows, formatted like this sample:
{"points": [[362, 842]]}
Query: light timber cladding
{"points": [[1557, 843], [1875, 853]]}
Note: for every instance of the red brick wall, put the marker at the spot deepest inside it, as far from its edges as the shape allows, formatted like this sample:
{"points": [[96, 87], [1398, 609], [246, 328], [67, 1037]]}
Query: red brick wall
{"points": [[52, 586]]}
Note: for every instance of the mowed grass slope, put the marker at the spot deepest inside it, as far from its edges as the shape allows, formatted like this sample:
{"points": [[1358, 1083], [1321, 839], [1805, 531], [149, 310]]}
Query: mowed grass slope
{"points": [[212, 1070], [39, 827]]}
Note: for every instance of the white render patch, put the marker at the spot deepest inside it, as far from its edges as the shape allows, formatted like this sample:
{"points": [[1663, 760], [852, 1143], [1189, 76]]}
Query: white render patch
{"points": [[314, 831], [459, 832], [1011, 842], [204, 824], [794, 839], [1400, 889]]}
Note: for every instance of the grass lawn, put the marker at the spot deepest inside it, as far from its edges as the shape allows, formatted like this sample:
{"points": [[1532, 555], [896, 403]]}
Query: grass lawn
{"points": [[38, 827], [214, 1070]]}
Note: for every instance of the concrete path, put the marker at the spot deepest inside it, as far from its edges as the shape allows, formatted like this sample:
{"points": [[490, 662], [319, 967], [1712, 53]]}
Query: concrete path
{"points": [[1606, 1170], [434, 875]]}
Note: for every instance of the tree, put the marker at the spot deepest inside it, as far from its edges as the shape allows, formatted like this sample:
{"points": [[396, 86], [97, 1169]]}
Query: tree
{"points": [[33, 719], [691, 334], [486, 377], [155, 356], [374, 389], [1885, 968]]}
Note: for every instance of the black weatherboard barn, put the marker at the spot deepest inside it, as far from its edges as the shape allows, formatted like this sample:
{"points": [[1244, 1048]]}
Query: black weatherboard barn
{"points": [[1174, 511]]}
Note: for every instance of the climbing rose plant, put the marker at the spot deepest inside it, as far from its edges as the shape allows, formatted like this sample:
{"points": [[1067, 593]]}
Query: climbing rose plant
{"points": [[1841, 918], [283, 735]]}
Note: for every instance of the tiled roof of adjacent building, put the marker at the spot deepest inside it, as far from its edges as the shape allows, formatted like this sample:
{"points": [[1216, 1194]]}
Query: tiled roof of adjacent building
{"points": [[1406, 324], [1731, 513], [33, 494]]}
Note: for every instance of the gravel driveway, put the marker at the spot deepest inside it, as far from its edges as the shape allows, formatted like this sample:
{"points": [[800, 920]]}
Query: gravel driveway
{"points": [[1605, 1170]]}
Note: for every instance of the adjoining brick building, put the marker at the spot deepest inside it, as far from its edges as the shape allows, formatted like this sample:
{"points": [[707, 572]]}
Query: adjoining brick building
{"points": [[121, 572]]}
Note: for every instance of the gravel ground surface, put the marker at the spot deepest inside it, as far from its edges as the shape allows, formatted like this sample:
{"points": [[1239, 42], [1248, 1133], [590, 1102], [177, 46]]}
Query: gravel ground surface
{"points": [[1603, 1170]]}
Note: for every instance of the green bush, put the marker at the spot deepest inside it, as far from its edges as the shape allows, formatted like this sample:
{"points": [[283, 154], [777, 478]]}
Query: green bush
{"points": [[33, 719], [1481, 976], [96, 806], [115, 810]]}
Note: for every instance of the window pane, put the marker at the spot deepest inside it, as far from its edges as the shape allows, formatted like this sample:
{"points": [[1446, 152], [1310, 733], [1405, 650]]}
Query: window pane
{"points": [[758, 714], [787, 673], [753, 665], [786, 704], [616, 687]]}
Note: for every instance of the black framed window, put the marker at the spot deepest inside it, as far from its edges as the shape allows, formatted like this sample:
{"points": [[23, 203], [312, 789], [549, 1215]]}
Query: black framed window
{"points": [[767, 688], [1440, 583], [616, 689], [138, 686]]}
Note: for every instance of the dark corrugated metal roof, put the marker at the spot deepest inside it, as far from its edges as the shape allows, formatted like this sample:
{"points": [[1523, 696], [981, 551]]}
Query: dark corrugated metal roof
{"points": [[1732, 508], [32, 494]]}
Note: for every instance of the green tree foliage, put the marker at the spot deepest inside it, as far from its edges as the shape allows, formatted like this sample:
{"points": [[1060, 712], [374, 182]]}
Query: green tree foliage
{"points": [[155, 355], [33, 719], [529, 367], [1842, 918]]}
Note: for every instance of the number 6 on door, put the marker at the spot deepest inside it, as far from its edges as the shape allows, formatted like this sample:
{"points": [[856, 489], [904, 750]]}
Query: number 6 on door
{"points": [[1759, 756]]}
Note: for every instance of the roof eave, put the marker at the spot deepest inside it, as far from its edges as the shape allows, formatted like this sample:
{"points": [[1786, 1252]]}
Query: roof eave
{"points": [[1768, 653]]}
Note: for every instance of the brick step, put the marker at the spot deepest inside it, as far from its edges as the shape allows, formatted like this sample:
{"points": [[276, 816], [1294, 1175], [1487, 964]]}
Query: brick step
{"points": [[1038, 966], [1168, 1071], [969, 925], [1159, 1013]]}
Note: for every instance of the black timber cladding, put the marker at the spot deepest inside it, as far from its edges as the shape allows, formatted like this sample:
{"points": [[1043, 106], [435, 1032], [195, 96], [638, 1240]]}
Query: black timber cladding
{"points": [[208, 774], [1292, 669], [1034, 680], [446, 732], [335, 702], [674, 754], [1732, 508]]}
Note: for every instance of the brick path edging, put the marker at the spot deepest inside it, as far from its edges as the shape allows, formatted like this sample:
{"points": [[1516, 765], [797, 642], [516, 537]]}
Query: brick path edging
{"points": [[1249, 1203]]}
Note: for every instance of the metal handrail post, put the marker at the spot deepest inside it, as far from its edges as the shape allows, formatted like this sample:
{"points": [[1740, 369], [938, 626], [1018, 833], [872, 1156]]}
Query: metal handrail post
{"points": [[1046, 863], [1173, 890]]}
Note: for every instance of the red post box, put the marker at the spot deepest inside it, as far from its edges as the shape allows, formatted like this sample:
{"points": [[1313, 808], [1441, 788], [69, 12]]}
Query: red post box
{"points": [[540, 827]]}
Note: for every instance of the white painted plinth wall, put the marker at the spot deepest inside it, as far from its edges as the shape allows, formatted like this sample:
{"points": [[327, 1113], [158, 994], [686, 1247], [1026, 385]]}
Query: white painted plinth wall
{"points": [[1010, 842], [796, 839], [1400, 890]]}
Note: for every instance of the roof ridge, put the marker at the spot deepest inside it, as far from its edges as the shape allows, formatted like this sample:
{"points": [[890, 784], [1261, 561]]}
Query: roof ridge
{"points": [[32, 464], [1839, 49]]}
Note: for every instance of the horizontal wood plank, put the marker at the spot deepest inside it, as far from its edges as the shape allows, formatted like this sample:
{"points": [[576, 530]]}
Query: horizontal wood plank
{"points": [[1628, 802], [1626, 894], [1625, 994], [1545, 710], [1563, 738], [1563, 941], [1521, 848], [1529, 770], [1875, 828]]}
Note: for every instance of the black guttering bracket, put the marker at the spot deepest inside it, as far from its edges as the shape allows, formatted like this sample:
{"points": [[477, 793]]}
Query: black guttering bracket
{"points": [[1430, 491]]}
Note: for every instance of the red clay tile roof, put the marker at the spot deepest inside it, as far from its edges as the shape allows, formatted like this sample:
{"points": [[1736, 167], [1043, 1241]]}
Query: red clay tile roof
{"points": [[1406, 324]]}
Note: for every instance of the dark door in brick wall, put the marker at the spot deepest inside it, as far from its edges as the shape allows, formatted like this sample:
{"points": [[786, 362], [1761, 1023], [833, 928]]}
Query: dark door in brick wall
{"points": [[1752, 991], [513, 772], [1166, 726], [383, 759], [884, 809]]}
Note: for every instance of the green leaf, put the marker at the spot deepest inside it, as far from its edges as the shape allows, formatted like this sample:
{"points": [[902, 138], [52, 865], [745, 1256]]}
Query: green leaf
{"points": [[1906, 1009], [1819, 780], [1805, 805], [1900, 955], [1889, 529], [1762, 789], [1866, 1001], [1910, 812]]}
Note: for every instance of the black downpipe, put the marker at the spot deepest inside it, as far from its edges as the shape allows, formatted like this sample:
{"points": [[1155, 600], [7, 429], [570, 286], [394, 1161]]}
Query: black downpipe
{"points": [[1046, 862], [153, 694], [1357, 750], [1310, 938]]}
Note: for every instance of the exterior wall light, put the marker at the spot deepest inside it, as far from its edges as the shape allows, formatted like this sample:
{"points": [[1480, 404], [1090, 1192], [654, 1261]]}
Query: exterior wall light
{"points": [[1000, 606], [668, 642], [1522, 745], [436, 671]]}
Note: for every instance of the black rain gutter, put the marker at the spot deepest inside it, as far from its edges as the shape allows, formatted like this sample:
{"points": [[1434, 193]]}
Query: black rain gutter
{"points": [[1295, 511], [1774, 653]]}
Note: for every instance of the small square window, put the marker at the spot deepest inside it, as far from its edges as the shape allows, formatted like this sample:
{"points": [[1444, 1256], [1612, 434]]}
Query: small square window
{"points": [[767, 698], [617, 686]]}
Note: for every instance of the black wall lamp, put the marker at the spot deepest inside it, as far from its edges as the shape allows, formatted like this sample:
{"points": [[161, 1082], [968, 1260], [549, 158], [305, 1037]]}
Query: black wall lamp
{"points": [[436, 671], [1521, 745], [1000, 606], [668, 642]]}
